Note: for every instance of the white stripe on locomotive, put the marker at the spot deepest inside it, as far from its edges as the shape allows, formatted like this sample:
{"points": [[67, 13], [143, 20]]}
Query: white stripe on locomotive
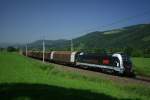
{"points": [[118, 69], [52, 54], [72, 57]]}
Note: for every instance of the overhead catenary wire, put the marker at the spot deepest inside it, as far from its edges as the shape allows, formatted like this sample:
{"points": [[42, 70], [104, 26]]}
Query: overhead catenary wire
{"points": [[113, 23], [116, 22], [103, 26], [127, 18], [122, 20]]}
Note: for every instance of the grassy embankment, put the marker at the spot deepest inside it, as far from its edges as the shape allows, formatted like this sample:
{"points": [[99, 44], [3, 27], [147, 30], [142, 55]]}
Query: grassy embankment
{"points": [[44, 81], [142, 66]]}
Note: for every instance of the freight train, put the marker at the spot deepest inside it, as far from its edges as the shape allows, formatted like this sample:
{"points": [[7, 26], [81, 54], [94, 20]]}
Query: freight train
{"points": [[117, 63]]}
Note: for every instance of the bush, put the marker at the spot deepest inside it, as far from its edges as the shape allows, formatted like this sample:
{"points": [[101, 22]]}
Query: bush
{"points": [[137, 53], [11, 49], [128, 50], [2, 49]]}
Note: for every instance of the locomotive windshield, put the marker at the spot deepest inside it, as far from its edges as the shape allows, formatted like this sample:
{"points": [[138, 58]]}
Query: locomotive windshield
{"points": [[116, 62], [126, 61]]}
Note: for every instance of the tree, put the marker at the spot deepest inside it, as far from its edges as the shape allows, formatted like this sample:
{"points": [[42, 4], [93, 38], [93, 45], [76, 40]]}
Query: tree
{"points": [[2, 49], [137, 53], [11, 49], [128, 50], [81, 47]]}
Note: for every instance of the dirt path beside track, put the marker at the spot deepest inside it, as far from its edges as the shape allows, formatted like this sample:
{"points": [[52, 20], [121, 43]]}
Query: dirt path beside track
{"points": [[119, 79]]}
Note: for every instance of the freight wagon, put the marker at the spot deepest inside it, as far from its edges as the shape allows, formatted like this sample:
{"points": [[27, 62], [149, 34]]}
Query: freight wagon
{"points": [[64, 57]]}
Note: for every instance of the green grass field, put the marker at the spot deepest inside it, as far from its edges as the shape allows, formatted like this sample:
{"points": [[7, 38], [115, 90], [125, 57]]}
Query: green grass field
{"points": [[23, 78], [142, 66]]}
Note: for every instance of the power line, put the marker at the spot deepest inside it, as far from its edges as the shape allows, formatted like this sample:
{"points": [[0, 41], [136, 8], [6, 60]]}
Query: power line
{"points": [[128, 18], [122, 20]]}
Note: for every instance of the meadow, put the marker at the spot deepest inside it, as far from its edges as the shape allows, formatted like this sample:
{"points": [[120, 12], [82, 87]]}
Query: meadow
{"points": [[23, 78], [141, 66]]}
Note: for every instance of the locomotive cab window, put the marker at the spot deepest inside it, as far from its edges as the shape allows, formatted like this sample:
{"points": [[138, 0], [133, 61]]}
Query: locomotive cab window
{"points": [[116, 62]]}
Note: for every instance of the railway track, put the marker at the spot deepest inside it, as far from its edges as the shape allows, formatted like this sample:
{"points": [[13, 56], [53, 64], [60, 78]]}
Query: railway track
{"points": [[142, 78], [94, 73]]}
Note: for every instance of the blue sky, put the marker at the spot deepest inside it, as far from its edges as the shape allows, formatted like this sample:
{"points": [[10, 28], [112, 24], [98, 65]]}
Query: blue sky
{"points": [[29, 20]]}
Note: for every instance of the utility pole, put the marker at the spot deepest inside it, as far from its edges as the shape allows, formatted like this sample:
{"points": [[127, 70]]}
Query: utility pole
{"points": [[72, 45], [43, 50], [26, 50]]}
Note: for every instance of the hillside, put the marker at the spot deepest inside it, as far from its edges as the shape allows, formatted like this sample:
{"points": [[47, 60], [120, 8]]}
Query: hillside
{"points": [[50, 44], [137, 36]]}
